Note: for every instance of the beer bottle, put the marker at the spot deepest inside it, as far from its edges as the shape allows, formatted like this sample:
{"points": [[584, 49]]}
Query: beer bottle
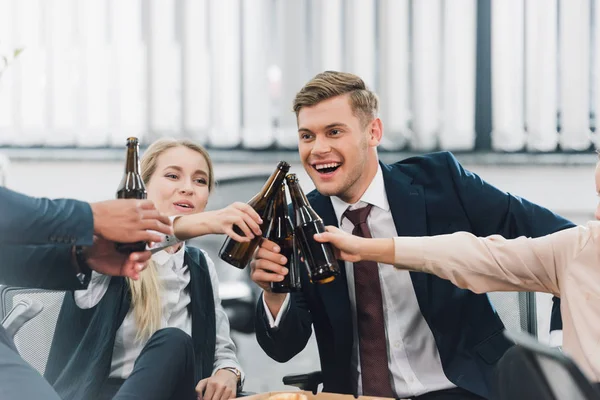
{"points": [[319, 257], [132, 187], [239, 254], [281, 232]]}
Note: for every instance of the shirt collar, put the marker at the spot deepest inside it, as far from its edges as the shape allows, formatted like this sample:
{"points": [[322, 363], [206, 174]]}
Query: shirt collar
{"points": [[375, 194], [162, 258]]}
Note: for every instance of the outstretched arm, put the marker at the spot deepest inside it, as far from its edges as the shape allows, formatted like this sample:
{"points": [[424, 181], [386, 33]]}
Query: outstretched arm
{"points": [[479, 264], [237, 215]]}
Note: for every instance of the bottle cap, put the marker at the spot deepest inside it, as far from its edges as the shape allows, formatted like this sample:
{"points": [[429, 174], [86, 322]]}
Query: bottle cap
{"points": [[291, 179]]}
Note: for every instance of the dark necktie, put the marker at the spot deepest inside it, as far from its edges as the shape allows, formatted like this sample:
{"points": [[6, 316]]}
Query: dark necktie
{"points": [[369, 316]]}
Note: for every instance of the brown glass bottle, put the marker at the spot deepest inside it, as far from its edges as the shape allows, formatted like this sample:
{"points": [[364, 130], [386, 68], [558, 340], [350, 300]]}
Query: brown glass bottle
{"points": [[132, 187], [239, 254], [281, 232], [319, 257]]}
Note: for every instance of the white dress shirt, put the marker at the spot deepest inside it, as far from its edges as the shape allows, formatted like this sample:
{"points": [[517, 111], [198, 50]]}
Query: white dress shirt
{"points": [[174, 277], [413, 358]]}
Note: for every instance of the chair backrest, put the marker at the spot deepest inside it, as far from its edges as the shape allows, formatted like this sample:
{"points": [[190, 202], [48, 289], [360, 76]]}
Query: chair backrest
{"points": [[544, 371], [517, 310], [34, 339]]}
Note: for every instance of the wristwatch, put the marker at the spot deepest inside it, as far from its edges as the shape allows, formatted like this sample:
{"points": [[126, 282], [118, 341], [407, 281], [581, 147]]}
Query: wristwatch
{"points": [[237, 373]]}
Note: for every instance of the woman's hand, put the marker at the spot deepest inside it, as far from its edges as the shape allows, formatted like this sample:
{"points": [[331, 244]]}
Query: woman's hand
{"points": [[239, 215], [221, 386], [347, 247], [352, 248]]}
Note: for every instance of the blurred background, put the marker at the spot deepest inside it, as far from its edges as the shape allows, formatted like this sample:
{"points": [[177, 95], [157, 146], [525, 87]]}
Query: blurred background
{"points": [[511, 86]]}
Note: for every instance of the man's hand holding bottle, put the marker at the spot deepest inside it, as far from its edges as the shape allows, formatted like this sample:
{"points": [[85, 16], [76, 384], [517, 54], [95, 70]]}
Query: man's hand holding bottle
{"points": [[123, 221], [268, 266]]}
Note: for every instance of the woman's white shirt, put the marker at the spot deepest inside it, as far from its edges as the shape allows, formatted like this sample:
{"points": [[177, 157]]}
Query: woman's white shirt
{"points": [[174, 277]]}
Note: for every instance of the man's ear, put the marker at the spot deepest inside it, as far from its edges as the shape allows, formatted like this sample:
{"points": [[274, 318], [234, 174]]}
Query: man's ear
{"points": [[375, 132]]}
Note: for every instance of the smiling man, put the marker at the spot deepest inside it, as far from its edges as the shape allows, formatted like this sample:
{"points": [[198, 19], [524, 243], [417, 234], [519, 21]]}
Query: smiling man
{"points": [[381, 331]]}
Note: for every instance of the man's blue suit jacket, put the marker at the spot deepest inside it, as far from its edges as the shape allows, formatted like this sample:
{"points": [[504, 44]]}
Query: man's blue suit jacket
{"points": [[428, 195], [36, 240]]}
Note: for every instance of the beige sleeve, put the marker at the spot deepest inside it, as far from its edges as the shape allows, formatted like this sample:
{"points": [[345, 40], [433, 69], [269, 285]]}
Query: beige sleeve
{"points": [[493, 263]]}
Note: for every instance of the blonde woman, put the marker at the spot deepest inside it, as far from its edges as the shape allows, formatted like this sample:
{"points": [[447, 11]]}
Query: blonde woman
{"points": [[166, 335], [565, 263]]}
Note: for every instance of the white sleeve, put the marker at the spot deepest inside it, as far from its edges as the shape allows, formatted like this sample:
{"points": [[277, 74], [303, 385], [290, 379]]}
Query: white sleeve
{"points": [[96, 289], [556, 338], [225, 348], [167, 240], [274, 322]]}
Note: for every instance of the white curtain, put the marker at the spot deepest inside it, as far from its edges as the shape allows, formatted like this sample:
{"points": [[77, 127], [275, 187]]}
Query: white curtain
{"points": [[63, 72], [360, 40], [225, 72], [129, 57], [295, 63], [541, 74], [458, 75], [574, 50], [196, 85], [31, 78], [8, 126], [327, 36], [508, 133], [426, 73], [596, 69], [165, 68], [257, 113], [394, 87], [99, 98]]}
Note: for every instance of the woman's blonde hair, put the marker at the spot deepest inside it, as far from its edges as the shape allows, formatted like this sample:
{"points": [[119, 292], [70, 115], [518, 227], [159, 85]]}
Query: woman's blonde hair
{"points": [[145, 292]]}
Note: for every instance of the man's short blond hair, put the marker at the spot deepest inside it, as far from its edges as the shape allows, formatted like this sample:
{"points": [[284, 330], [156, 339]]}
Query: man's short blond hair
{"points": [[328, 84]]}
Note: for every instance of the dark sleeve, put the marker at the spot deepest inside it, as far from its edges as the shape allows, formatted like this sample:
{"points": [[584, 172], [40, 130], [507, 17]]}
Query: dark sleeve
{"points": [[42, 266], [290, 337], [492, 211], [30, 221]]}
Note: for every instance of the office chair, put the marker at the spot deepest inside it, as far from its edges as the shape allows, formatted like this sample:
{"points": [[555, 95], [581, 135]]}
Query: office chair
{"points": [[532, 370]]}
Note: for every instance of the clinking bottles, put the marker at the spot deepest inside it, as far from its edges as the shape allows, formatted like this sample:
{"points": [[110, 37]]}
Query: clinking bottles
{"points": [[239, 254], [281, 232], [319, 257], [132, 187]]}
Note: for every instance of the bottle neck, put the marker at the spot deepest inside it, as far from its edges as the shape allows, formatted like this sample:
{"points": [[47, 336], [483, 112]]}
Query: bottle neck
{"points": [[272, 183], [303, 210], [281, 210], [298, 197], [133, 158]]}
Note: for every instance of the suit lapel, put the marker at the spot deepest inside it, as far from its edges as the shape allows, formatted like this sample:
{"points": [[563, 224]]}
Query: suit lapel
{"points": [[408, 207], [201, 308]]}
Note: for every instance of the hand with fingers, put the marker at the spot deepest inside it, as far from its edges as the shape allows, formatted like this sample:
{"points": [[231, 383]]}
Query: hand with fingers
{"points": [[353, 248], [221, 386], [237, 215], [102, 257], [129, 221], [268, 265], [347, 247]]}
